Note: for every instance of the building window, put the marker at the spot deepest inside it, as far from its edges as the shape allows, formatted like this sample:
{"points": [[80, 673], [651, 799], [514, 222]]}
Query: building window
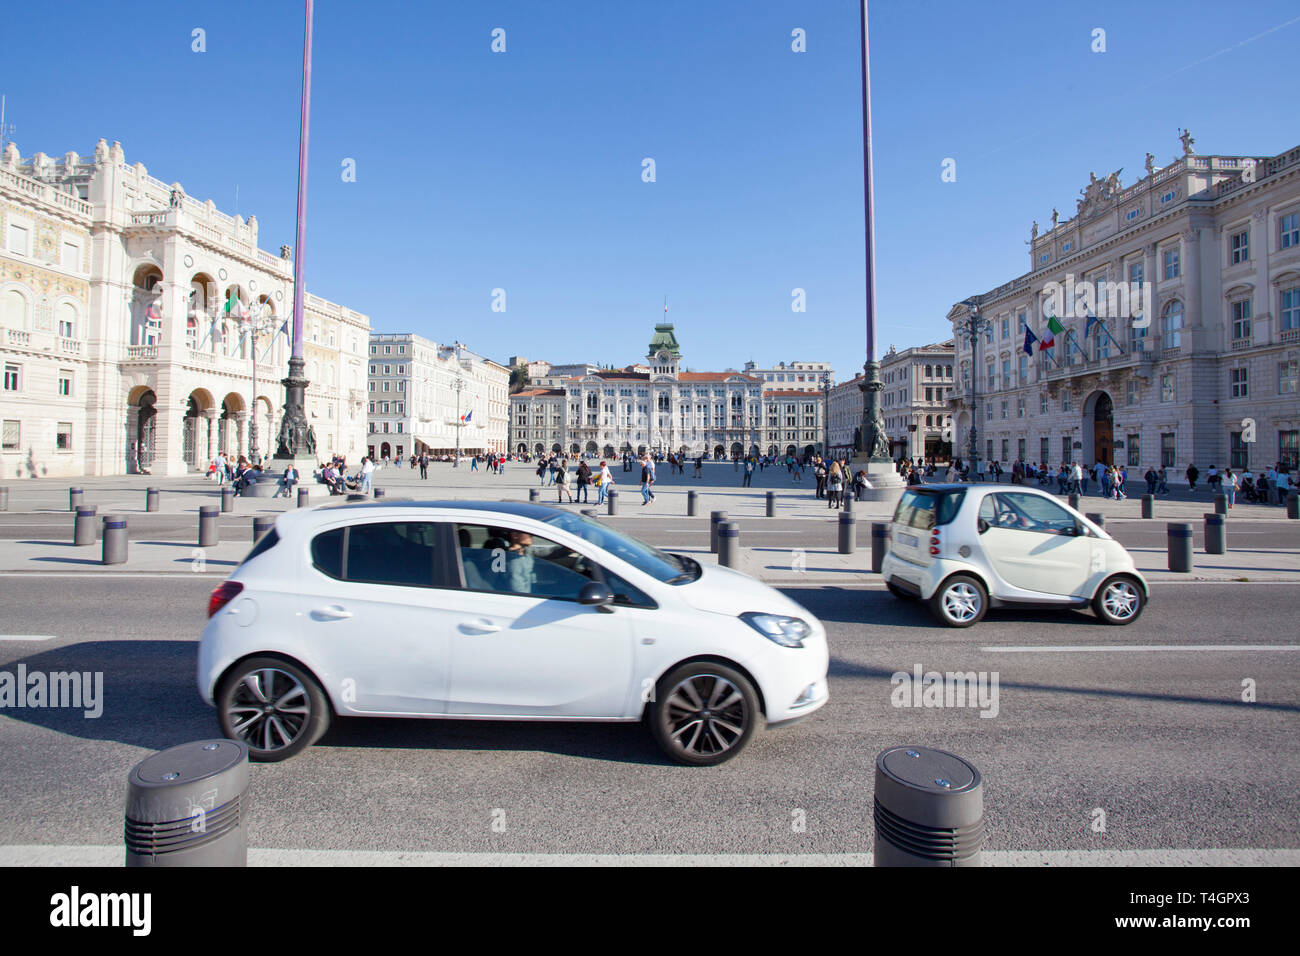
{"points": [[988, 449], [1289, 230], [1172, 325], [1133, 445], [1044, 449], [1023, 368], [1020, 449], [1239, 245], [1241, 319], [1005, 450], [399, 427], [1290, 309], [1042, 403], [388, 350], [1236, 451], [1132, 214], [1168, 197], [65, 382], [1067, 401], [1135, 273], [17, 240], [372, 386], [1067, 246], [10, 436], [385, 386], [1167, 392], [1020, 407], [1167, 450], [63, 437], [1171, 263], [372, 408], [1004, 408], [1288, 374], [67, 329], [1006, 328], [1288, 449], [1238, 383], [11, 378], [1066, 457]]}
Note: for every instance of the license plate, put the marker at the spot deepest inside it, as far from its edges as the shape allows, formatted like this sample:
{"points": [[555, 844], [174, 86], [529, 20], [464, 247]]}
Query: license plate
{"points": [[909, 540]]}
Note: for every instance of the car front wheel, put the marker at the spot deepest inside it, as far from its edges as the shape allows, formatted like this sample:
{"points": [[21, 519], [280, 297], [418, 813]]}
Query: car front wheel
{"points": [[703, 713], [274, 707], [1119, 601], [960, 601]]}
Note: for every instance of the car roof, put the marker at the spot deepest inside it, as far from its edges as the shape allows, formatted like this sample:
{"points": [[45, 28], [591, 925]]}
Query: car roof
{"points": [[520, 509]]}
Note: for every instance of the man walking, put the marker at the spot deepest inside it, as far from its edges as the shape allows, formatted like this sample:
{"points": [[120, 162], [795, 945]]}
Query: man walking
{"points": [[424, 465], [749, 474], [584, 478], [647, 479], [367, 471]]}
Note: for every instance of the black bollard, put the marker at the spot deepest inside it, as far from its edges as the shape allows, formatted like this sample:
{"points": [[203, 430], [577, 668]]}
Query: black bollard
{"points": [[1216, 533], [771, 504], [692, 500], [848, 499], [1148, 506], [74, 498], [209, 534], [83, 526], [188, 806], [1220, 504], [227, 500], [611, 502], [1074, 501], [1292, 504], [151, 499], [261, 525], [1097, 518], [847, 533], [114, 540], [728, 543], [879, 544], [715, 517], [929, 808], [379, 492], [1179, 538], [303, 496], [534, 494]]}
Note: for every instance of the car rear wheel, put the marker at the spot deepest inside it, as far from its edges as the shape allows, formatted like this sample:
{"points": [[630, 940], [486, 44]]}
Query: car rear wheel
{"points": [[1119, 601], [703, 713], [275, 707], [960, 601]]}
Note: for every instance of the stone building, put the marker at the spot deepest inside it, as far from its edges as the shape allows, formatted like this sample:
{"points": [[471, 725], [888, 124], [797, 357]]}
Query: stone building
{"points": [[918, 384]]}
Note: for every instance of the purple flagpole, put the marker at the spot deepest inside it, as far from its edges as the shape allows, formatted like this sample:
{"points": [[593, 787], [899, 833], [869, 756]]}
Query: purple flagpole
{"points": [[301, 231]]}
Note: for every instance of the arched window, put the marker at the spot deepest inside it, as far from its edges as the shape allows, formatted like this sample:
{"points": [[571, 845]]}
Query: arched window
{"points": [[15, 309], [1171, 324], [67, 320]]}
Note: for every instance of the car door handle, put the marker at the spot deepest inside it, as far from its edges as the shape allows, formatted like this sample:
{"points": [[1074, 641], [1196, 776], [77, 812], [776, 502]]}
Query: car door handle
{"points": [[331, 613], [479, 627]]}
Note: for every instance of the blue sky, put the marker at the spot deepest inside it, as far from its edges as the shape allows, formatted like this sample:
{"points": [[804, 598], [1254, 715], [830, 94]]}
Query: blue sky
{"points": [[523, 170]]}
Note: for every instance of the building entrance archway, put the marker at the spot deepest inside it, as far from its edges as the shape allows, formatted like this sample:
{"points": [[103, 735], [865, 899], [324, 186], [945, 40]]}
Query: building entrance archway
{"points": [[1098, 429]]}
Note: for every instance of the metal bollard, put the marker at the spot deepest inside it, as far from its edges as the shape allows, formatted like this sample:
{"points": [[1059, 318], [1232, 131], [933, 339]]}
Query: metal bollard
{"points": [[83, 526], [847, 534], [715, 517], [929, 809], [74, 498], [848, 499], [187, 806], [1097, 518], [692, 500], [879, 544], [611, 502], [151, 499], [534, 494], [728, 543], [303, 496], [1220, 504], [1074, 501], [261, 525], [1216, 533], [771, 504], [209, 534], [1179, 537], [227, 500], [114, 540], [379, 492], [1148, 506], [1292, 504]]}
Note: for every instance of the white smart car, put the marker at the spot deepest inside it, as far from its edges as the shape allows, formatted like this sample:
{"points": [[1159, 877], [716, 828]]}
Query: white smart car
{"points": [[498, 611], [964, 548]]}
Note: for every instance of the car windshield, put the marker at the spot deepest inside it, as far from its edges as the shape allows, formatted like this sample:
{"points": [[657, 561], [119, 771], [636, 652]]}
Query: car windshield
{"points": [[660, 565], [924, 509]]}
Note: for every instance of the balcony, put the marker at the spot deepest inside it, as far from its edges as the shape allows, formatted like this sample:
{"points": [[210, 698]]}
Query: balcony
{"points": [[141, 353], [1239, 344], [1290, 336], [19, 338], [69, 346]]}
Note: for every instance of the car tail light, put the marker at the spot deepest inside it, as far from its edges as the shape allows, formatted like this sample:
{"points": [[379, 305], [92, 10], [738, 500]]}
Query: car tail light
{"points": [[934, 542], [223, 594]]}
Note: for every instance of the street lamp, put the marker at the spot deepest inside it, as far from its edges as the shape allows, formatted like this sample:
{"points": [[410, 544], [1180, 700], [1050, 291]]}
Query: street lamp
{"points": [[259, 323], [826, 415], [973, 325], [459, 386]]}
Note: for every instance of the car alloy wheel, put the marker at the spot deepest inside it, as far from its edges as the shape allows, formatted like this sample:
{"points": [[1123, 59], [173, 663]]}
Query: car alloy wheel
{"points": [[1119, 601], [704, 713], [960, 602], [273, 707]]}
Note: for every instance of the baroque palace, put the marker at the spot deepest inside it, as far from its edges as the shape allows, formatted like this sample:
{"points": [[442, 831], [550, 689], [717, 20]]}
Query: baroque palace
{"points": [[1199, 367], [143, 330], [663, 409]]}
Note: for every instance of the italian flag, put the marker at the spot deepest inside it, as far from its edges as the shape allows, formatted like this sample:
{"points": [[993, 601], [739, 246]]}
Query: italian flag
{"points": [[235, 307], [1049, 337]]}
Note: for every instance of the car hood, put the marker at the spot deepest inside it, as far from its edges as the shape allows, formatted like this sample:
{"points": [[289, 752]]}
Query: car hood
{"points": [[724, 591]]}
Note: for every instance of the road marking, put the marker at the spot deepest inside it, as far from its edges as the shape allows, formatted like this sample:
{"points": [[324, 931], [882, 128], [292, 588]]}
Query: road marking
{"points": [[111, 574], [113, 856], [26, 637], [1106, 648]]}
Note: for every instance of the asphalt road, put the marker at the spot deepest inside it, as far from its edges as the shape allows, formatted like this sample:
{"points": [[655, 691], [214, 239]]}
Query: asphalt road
{"points": [[1160, 741]]}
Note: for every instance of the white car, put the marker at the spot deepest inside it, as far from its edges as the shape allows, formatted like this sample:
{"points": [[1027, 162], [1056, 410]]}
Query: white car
{"points": [[964, 548], [498, 611]]}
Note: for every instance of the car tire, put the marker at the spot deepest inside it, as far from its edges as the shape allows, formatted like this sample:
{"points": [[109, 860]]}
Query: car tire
{"points": [[898, 592], [960, 601], [703, 713], [1119, 600], [299, 715]]}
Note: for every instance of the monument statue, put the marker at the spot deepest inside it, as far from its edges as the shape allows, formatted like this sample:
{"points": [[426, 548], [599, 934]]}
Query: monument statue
{"points": [[1186, 137]]}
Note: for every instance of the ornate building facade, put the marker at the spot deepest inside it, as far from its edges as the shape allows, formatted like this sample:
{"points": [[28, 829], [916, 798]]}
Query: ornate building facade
{"points": [[918, 385], [664, 409], [1173, 309], [128, 327]]}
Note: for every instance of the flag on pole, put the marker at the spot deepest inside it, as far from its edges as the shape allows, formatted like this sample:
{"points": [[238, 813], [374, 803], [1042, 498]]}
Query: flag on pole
{"points": [[466, 417], [1087, 325], [1030, 339], [235, 307], [1054, 328]]}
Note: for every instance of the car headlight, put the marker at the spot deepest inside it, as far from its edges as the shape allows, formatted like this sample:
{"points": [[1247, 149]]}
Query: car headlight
{"points": [[779, 628]]}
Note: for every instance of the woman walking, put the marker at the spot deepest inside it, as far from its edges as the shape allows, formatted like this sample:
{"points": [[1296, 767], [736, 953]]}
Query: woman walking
{"points": [[604, 481], [834, 485], [562, 484]]}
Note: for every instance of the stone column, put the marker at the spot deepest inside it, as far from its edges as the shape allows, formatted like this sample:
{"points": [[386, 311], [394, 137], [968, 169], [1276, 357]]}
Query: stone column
{"points": [[1260, 236], [1191, 256], [210, 414], [241, 418]]}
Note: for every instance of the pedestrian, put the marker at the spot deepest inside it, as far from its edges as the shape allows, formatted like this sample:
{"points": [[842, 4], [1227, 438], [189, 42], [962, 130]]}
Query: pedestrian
{"points": [[424, 465], [584, 479], [834, 485], [562, 484], [1192, 474], [820, 473], [1230, 486], [1214, 480], [1162, 481], [604, 481], [367, 471], [473, 463], [982, 470], [541, 470], [749, 474], [646, 481], [1151, 479], [699, 467], [288, 481]]}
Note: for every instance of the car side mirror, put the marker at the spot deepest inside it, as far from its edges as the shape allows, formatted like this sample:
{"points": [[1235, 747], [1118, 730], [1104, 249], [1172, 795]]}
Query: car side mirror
{"points": [[597, 595]]}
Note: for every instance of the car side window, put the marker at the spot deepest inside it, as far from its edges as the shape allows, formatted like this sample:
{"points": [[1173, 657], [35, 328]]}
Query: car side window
{"points": [[390, 552], [511, 561], [988, 512], [1026, 512], [626, 593]]}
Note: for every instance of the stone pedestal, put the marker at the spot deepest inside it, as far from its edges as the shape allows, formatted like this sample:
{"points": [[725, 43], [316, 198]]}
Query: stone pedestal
{"points": [[886, 483]]}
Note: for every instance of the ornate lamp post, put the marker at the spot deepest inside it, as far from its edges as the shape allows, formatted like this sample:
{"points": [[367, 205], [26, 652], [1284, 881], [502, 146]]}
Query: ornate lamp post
{"points": [[973, 326], [826, 415], [258, 325], [459, 387]]}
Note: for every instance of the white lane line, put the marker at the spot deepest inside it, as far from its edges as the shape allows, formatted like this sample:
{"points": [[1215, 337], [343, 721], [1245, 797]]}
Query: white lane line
{"points": [[164, 575], [114, 856], [1107, 648], [26, 637]]}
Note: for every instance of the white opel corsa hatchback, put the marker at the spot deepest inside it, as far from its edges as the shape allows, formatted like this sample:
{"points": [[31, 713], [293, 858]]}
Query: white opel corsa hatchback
{"points": [[498, 611], [965, 548]]}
